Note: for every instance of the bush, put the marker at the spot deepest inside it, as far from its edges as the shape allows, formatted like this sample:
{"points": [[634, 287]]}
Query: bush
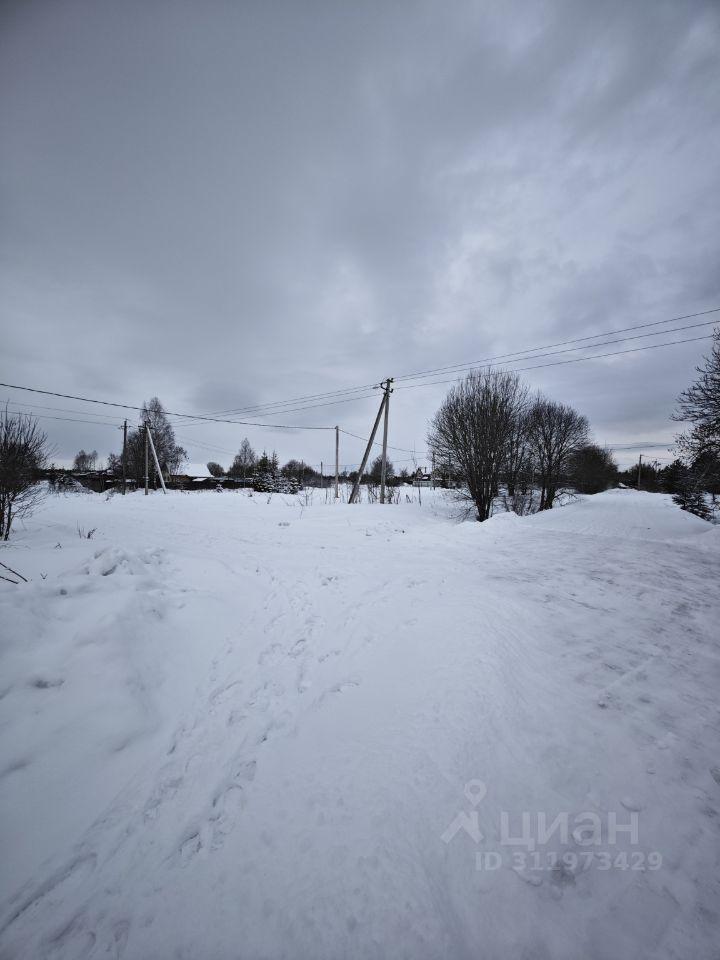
{"points": [[23, 451]]}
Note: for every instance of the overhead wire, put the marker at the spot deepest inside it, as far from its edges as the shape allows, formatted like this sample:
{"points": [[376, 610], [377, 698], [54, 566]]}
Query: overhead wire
{"points": [[128, 406], [517, 355], [557, 363], [563, 343]]}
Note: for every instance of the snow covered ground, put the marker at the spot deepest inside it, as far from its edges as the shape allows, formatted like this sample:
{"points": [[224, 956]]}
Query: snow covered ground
{"points": [[236, 729]]}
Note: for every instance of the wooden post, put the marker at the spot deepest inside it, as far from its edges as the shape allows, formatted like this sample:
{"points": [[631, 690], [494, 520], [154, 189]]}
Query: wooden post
{"points": [[147, 433], [155, 458], [639, 471], [124, 459], [356, 485], [337, 463], [383, 469]]}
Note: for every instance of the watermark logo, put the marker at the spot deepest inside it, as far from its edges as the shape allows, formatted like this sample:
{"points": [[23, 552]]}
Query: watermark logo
{"points": [[468, 821], [563, 842]]}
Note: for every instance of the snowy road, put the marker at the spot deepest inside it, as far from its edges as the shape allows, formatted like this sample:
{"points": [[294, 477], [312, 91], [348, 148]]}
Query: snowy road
{"points": [[235, 729]]}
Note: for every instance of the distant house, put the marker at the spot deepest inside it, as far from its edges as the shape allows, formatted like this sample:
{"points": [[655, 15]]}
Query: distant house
{"points": [[422, 479]]}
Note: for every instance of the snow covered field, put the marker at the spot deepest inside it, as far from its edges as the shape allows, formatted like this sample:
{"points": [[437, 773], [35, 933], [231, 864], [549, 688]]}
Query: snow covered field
{"points": [[236, 729]]}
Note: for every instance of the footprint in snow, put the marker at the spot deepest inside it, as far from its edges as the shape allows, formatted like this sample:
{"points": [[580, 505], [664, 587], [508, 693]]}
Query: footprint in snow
{"points": [[190, 847], [533, 879]]}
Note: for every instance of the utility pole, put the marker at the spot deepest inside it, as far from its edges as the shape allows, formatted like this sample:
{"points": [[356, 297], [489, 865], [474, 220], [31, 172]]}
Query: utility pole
{"points": [[124, 458], [322, 476], [147, 434], [337, 463], [155, 459], [639, 471], [383, 471], [371, 440]]}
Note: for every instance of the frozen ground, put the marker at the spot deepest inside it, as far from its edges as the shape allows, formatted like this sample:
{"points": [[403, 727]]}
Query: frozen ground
{"points": [[234, 729]]}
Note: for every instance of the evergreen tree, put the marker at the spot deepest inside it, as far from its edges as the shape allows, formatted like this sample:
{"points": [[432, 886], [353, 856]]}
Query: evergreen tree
{"points": [[690, 497]]}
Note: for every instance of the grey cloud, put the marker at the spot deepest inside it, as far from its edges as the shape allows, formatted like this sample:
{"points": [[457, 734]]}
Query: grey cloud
{"points": [[230, 203]]}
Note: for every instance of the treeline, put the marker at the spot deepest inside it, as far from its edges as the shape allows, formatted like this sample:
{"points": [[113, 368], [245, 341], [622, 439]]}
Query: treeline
{"points": [[687, 480], [264, 472]]}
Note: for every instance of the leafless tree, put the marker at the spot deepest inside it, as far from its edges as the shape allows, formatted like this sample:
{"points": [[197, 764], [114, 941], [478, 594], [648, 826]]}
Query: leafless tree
{"points": [[700, 406], [376, 470], [170, 455], [473, 430], [554, 432], [23, 451], [215, 469], [85, 461], [244, 462]]}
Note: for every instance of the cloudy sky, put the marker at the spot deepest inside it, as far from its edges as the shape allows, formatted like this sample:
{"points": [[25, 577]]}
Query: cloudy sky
{"points": [[229, 204]]}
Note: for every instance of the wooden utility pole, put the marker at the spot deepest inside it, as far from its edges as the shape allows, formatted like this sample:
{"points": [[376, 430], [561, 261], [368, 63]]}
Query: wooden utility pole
{"points": [[383, 470], [124, 458], [147, 434], [371, 440], [337, 463], [639, 471]]}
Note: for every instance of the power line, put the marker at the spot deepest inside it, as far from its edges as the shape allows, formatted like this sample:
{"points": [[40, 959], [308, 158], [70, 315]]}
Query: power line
{"points": [[190, 416], [557, 363], [563, 343], [94, 423], [378, 444], [649, 444], [271, 413], [101, 417], [517, 355], [358, 391], [313, 396]]}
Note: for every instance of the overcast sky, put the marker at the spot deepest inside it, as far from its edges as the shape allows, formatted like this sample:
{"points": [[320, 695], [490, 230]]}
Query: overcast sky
{"points": [[231, 203]]}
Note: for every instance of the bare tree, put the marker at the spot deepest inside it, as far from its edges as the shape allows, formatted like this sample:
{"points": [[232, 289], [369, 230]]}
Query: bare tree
{"points": [[244, 462], [170, 455], [215, 469], [700, 405], [554, 432], [23, 451], [376, 470], [517, 471], [85, 461], [471, 433]]}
